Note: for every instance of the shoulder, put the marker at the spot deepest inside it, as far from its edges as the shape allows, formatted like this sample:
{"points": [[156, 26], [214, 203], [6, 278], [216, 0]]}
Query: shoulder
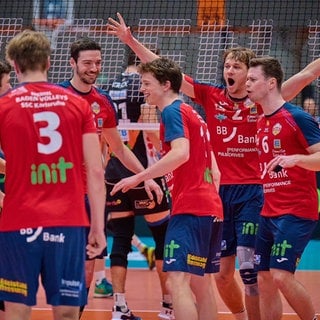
{"points": [[296, 111], [103, 94], [176, 110], [65, 84], [302, 118]]}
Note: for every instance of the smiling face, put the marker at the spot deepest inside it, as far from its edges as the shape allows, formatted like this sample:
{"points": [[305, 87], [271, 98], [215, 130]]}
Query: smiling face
{"points": [[151, 88], [235, 75], [87, 67]]}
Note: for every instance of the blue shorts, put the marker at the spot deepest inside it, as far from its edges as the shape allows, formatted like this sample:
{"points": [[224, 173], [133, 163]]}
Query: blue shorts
{"points": [[281, 241], [57, 254], [137, 200], [242, 205], [192, 244]]}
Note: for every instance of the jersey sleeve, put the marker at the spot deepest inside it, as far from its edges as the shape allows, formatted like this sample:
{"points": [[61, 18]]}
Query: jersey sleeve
{"points": [[89, 125], [308, 126], [173, 122]]}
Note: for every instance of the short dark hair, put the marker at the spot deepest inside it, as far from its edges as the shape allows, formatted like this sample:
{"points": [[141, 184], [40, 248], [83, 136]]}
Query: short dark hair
{"points": [[83, 44], [5, 68], [271, 68]]}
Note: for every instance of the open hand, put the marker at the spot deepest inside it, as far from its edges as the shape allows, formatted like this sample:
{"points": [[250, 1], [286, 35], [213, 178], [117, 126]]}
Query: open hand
{"points": [[119, 29]]}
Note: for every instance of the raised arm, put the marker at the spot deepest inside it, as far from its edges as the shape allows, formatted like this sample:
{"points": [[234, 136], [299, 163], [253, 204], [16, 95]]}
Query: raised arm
{"points": [[123, 32], [297, 82]]}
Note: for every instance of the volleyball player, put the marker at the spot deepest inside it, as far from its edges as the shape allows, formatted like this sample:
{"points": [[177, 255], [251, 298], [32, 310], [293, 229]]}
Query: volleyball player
{"points": [[5, 85], [289, 152], [47, 134], [232, 118], [130, 104], [86, 64], [192, 244], [5, 70]]}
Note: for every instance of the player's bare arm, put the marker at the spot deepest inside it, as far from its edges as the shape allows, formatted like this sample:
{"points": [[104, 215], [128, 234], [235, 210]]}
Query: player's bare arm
{"points": [[309, 161], [2, 165], [96, 194], [123, 32], [178, 155], [216, 174], [297, 82], [129, 160]]}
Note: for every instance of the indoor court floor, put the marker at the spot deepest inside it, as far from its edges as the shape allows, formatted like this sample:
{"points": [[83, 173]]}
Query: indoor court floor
{"points": [[143, 292]]}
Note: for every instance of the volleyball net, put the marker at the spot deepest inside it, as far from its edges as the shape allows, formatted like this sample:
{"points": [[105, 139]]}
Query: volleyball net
{"points": [[193, 33]]}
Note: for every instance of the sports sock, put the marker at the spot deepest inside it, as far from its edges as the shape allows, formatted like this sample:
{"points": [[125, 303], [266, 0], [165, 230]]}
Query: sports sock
{"points": [[167, 299], [99, 276], [120, 301]]}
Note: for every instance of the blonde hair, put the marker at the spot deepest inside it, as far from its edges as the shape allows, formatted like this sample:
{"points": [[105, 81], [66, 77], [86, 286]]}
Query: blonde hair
{"points": [[240, 54], [30, 50]]}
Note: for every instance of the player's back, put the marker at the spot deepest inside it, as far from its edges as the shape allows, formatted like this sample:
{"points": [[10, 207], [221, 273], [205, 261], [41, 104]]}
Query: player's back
{"points": [[41, 129]]}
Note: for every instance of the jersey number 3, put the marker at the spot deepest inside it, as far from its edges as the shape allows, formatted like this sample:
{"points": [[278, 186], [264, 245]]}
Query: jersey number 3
{"points": [[49, 131]]}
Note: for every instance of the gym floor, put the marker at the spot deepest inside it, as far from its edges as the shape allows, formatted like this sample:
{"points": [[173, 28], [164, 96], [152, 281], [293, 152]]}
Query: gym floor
{"points": [[143, 291]]}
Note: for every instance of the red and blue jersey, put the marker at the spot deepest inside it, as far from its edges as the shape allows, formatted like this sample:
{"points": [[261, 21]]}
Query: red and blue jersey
{"points": [[101, 105], [41, 131], [233, 128], [288, 131], [102, 108], [191, 183]]}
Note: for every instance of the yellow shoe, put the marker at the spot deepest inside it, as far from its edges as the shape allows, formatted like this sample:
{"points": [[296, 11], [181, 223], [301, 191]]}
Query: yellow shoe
{"points": [[148, 252]]}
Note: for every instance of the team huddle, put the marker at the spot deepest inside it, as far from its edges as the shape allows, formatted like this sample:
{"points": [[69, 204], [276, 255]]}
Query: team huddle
{"points": [[239, 184]]}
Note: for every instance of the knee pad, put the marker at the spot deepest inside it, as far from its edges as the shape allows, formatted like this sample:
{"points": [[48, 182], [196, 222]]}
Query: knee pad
{"points": [[247, 270], [159, 232], [122, 229]]}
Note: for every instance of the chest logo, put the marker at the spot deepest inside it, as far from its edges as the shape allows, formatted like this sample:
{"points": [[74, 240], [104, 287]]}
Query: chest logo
{"points": [[276, 129], [220, 117], [95, 107]]}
